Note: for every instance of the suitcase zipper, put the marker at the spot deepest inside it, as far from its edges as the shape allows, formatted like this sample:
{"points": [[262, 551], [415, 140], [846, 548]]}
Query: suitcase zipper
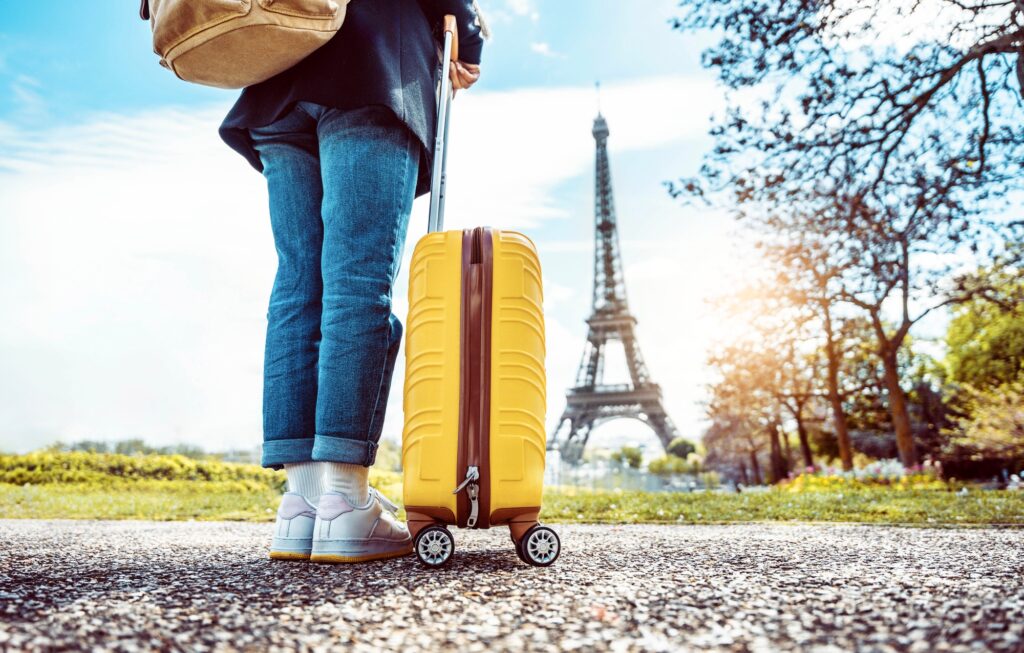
{"points": [[474, 426], [472, 474]]}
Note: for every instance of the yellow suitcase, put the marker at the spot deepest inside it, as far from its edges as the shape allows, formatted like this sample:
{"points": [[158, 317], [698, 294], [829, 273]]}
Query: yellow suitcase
{"points": [[474, 438]]}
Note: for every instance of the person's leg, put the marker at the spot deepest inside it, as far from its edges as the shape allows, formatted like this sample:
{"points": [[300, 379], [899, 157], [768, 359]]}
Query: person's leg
{"points": [[289, 152], [291, 165], [368, 163]]}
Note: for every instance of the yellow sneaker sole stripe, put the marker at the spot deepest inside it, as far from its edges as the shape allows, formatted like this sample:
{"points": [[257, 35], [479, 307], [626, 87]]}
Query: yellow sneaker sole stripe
{"points": [[288, 555], [331, 558]]}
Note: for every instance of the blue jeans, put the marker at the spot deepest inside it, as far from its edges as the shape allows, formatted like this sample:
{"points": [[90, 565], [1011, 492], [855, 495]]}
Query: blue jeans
{"points": [[341, 185]]}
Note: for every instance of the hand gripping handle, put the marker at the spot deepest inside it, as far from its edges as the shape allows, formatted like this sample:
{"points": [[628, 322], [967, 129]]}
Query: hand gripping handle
{"points": [[444, 105]]}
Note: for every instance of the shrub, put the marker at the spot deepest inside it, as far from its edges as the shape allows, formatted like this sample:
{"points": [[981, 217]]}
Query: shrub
{"points": [[681, 447], [629, 456], [670, 464], [44, 467], [110, 471], [710, 479], [993, 427]]}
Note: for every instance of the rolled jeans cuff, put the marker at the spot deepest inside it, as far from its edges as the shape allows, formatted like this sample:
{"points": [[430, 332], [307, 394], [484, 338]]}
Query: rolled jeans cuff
{"points": [[278, 453], [336, 449]]}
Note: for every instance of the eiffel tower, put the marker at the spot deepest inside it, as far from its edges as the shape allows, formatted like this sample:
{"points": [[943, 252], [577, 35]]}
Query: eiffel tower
{"points": [[590, 401]]}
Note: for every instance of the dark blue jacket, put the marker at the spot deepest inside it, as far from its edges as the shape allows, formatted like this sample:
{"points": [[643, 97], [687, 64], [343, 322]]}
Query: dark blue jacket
{"points": [[384, 54]]}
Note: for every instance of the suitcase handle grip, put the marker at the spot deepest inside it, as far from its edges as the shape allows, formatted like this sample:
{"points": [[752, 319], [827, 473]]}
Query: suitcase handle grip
{"points": [[435, 222], [451, 27]]}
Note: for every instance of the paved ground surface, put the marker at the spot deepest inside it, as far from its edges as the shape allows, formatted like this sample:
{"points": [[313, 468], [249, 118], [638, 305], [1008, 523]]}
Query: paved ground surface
{"points": [[196, 586]]}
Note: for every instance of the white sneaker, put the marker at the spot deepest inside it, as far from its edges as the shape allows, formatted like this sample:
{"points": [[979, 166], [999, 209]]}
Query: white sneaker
{"points": [[346, 533], [293, 533]]}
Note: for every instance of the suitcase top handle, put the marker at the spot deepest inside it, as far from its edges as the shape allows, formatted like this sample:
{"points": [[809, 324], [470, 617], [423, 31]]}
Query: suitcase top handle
{"points": [[435, 221], [451, 27]]}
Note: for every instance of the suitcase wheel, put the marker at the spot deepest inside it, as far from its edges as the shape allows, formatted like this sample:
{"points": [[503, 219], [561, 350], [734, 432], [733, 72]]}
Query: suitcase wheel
{"points": [[539, 546], [434, 546]]}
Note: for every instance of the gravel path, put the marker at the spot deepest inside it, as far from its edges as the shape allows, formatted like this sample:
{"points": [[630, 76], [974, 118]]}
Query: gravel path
{"points": [[199, 586]]}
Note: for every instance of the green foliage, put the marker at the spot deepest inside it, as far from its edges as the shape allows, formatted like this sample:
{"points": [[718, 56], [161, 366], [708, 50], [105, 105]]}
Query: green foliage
{"points": [[105, 468], [710, 479], [985, 340], [79, 484], [993, 425], [823, 443], [681, 447], [389, 456], [101, 471], [629, 456], [670, 464], [984, 367]]}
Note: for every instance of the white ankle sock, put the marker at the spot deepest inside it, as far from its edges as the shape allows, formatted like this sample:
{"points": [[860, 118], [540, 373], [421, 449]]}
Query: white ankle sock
{"points": [[306, 479], [350, 480]]}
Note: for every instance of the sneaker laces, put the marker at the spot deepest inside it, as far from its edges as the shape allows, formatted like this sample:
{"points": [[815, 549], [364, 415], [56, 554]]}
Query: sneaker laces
{"points": [[389, 505]]}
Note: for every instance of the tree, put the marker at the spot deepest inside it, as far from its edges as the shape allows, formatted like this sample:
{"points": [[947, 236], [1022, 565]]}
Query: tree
{"points": [[994, 425], [810, 279], [629, 456], [984, 368], [92, 446], [868, 84], [985, 338], [793, 382], [733, 448], [777, 356], [885, 158], [744, 412], [670, 464], [681, 448]]}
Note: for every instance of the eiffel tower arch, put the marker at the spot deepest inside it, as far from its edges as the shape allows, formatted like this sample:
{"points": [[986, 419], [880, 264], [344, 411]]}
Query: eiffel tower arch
{"points": [[591, 401]]}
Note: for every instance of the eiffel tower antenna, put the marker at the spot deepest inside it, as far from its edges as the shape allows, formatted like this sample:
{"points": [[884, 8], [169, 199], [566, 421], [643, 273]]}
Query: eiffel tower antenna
{"points": [[597, 87], [591, 401]]}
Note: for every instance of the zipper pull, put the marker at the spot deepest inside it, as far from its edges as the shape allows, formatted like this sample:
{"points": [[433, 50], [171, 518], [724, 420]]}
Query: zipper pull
{"points": [[472, 474], [474, 505]]}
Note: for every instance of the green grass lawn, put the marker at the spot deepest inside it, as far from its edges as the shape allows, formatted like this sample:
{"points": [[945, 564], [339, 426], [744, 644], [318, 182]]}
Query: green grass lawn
{"points": [[874, 505], [211, 500], [49, 485]]}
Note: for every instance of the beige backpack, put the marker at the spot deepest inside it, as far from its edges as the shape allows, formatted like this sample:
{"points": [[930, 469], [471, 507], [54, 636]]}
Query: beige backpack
{"points": [[236, 43]]}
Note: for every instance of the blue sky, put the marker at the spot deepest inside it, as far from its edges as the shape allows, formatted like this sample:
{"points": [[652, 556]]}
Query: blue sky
{"points": [[61, 63], [136, 251]]}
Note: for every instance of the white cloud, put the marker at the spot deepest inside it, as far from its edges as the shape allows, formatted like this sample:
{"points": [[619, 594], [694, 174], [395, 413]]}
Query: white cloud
{"points": [[525, 8], [137, 257], [520, 145], [544, 50], [28, 101]]}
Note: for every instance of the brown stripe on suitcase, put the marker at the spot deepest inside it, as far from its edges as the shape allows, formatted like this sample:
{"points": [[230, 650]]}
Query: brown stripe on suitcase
{"points": [[475, 382], [486, 241]]}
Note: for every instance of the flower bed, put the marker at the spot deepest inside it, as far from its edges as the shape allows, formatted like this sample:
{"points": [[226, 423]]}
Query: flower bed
{"points": [[884, 473]]}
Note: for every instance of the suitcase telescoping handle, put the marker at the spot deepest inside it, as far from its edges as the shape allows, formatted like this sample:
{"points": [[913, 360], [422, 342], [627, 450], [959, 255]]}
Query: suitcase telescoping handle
{"points": [[444, 107]]}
